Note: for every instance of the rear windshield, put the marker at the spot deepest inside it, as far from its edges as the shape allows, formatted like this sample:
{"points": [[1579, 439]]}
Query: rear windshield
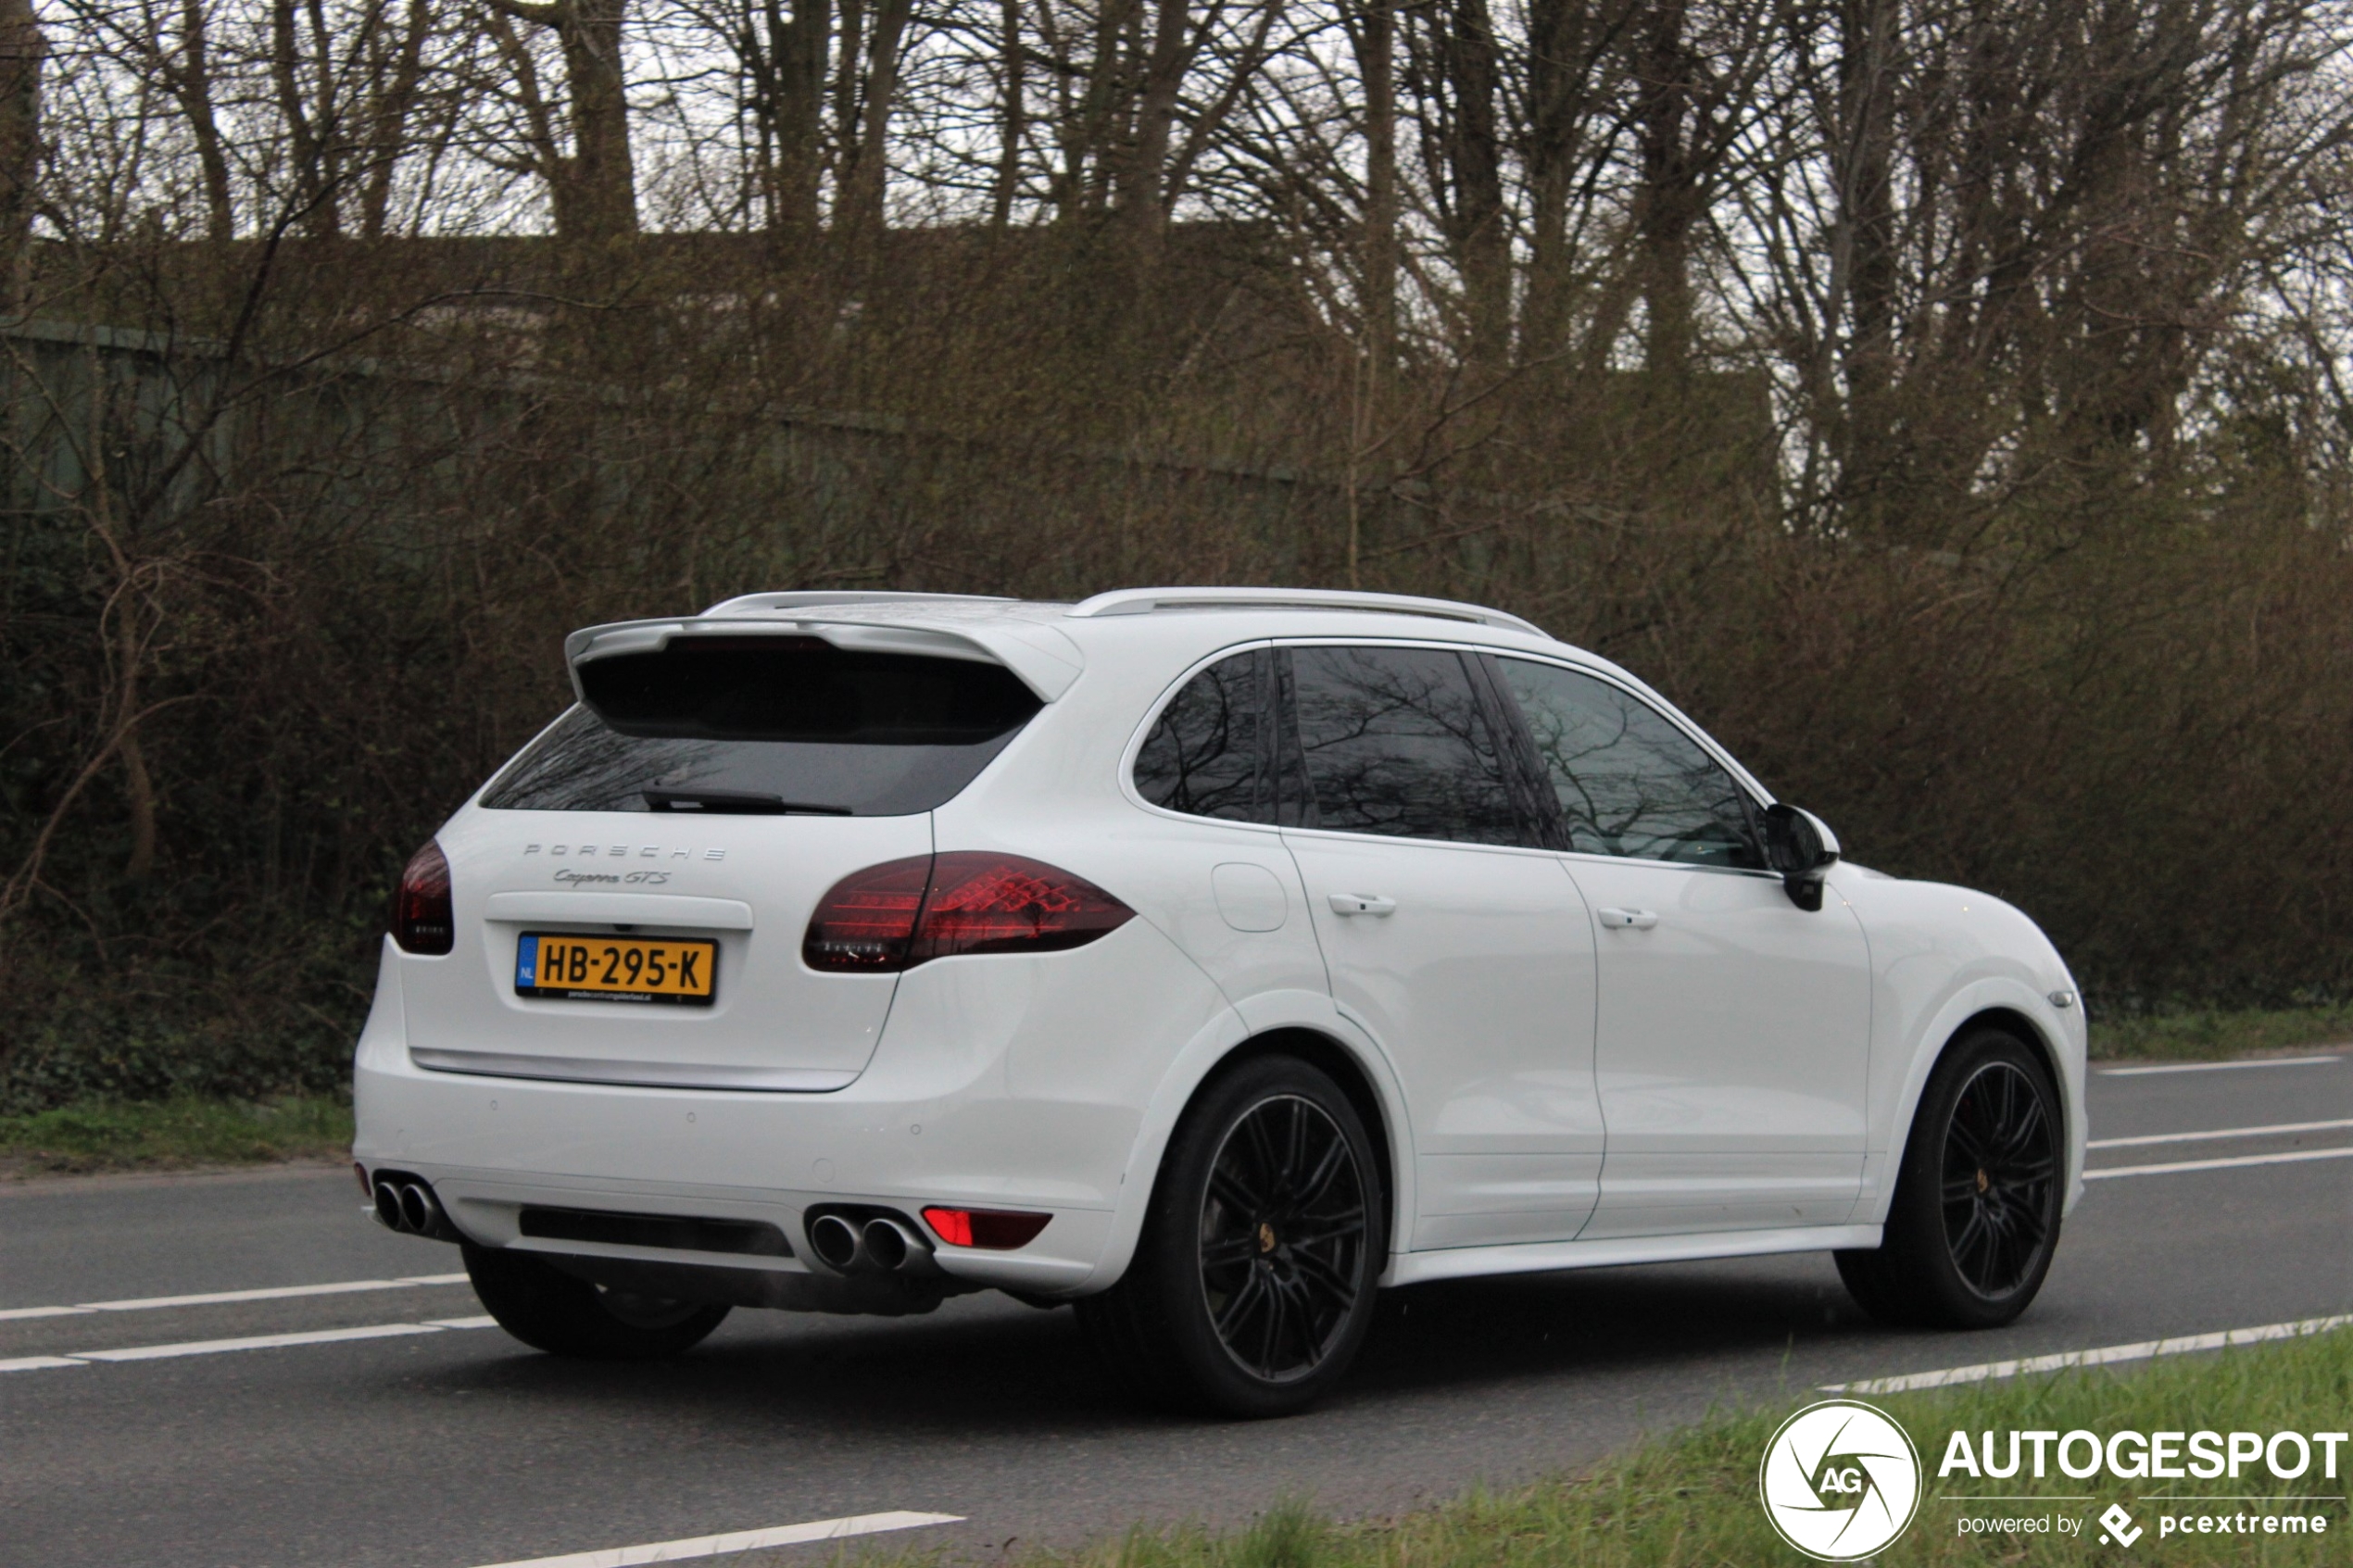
{"points": [[779, 725]]}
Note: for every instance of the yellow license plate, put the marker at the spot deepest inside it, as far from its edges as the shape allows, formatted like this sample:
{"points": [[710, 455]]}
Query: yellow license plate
{"points": [[617, 968]]}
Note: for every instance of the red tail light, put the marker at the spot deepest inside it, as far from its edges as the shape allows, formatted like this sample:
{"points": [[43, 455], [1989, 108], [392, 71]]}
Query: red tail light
{"points": [[901, 913], [994, 1229], [866, 922], [1005, 904], [422, 920]]}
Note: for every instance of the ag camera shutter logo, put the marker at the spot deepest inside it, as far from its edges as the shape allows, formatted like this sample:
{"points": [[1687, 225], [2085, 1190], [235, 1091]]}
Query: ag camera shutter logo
{"points": [[1840, 1480]]}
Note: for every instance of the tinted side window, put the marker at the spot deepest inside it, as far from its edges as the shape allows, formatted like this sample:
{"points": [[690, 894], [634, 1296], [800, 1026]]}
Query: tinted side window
{"points": [[1629, 782], [1397, 743], [1206, 756]]}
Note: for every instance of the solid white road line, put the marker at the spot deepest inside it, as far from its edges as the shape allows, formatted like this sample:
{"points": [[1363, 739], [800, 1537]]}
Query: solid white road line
{"points": [[2215, 1066], [270, 1293], [2291, 1157], [740, 1540], [251, 1342], [2279, 1129], [2113, 1353]]}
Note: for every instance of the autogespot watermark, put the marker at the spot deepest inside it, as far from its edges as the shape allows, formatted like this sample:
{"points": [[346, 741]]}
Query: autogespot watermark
{"points": [[1841, 1479], [2245, 1458]]}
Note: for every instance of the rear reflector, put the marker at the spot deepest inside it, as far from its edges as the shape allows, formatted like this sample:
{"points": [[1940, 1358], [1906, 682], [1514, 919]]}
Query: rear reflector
{"points": [[992, 1230], [422, 920], [901, 913]]}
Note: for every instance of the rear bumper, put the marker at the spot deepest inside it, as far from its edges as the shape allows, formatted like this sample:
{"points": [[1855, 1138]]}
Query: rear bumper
{"points": [[491, 1147], [1000, 1082]]}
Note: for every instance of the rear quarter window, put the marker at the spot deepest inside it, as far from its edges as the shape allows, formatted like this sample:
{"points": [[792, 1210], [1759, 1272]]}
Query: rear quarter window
{"points": [[1208, 754], [774, 726]]}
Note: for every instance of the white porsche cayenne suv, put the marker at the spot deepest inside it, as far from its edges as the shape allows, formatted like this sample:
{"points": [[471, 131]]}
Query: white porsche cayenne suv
{"points": [[1209, 958]]}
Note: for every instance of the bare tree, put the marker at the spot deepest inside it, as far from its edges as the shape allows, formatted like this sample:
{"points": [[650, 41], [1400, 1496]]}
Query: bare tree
{"points": [[592, 188], [21, 51]]}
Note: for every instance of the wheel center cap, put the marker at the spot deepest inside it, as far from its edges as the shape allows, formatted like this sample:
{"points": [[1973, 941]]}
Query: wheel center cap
{"points": [[1983, 1182], [1265, 1236]]}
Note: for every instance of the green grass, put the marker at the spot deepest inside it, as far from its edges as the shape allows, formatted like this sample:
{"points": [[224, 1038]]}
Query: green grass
{"points": [[2218, 1037], [121, 1136], [1690, 1500]]}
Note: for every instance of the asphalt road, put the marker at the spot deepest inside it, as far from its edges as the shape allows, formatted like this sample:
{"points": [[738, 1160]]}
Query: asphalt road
{"points": [[457, 1446]]}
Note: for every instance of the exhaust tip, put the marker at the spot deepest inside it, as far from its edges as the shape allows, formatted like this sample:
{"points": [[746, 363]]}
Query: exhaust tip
{"points": [[389, 1207], [834, 1241], [418, 1211], [886, 1245]]}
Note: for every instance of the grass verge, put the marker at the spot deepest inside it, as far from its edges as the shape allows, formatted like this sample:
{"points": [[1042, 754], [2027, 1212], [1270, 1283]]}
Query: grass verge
{"points": [[162, 1134], [1690, 1500], [2219, 1036]]}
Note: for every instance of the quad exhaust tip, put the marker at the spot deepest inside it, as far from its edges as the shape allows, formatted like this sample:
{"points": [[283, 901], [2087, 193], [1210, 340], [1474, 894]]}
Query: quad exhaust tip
{"points": [[834, 1241], [407, 1205], [418, 1211], [886, 1243], [882, 1245]]}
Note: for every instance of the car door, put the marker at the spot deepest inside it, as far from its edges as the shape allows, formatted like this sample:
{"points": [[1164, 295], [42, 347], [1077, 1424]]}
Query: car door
{"points": [[1448, 933], [1732, 1036]]}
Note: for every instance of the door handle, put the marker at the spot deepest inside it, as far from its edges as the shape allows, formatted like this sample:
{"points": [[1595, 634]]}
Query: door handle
{"points": [[1361, 904], [1620, 920]]}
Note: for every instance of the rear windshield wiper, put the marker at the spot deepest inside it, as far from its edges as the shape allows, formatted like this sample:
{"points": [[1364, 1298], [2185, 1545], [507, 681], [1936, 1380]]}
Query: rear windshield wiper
{"points": [[736, 802]]}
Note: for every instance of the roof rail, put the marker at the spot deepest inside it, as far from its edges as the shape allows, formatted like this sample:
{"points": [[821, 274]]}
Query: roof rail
{"points": [[753, 604], [1144, 601]]}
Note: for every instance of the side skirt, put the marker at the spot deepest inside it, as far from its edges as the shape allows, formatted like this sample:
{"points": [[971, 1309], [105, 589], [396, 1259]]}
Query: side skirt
{"points": [[1462, 1263]]}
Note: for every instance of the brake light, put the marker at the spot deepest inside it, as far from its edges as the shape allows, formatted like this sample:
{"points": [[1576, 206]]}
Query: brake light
{"points": [[866, 922], [1006, 904], [422, 920], [901, 913], [992, 1230]]}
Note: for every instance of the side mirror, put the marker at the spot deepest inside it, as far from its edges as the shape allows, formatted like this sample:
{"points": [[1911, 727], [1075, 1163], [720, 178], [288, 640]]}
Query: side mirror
{"points": [[1801, 847]]}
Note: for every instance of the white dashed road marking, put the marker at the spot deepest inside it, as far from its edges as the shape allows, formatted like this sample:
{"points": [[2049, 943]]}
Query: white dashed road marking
{"points": [[740, 1540], [252, 1342], [2112, 1353], [271, 1293], [2293, 1157], [2214, 1066], [2280, 1130]]}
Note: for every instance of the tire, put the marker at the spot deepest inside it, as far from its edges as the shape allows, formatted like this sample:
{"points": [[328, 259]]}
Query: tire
{"points": [[548, 1310], [1251, 1288], [1975, 1218]]}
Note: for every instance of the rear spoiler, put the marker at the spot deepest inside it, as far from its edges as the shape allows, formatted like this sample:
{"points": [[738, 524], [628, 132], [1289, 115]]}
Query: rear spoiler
{"points": [[1046, 662]]}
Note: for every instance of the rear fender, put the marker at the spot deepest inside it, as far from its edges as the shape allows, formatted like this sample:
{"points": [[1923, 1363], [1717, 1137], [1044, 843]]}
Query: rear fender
{"points": [[382, 1045], [1259, 1016]]}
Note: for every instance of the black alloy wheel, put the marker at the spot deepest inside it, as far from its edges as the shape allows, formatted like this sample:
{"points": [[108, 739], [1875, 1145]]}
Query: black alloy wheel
{"points": [[1975, 1218], [1252, 1287], [2001, 1163], [1283, 1228]]}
